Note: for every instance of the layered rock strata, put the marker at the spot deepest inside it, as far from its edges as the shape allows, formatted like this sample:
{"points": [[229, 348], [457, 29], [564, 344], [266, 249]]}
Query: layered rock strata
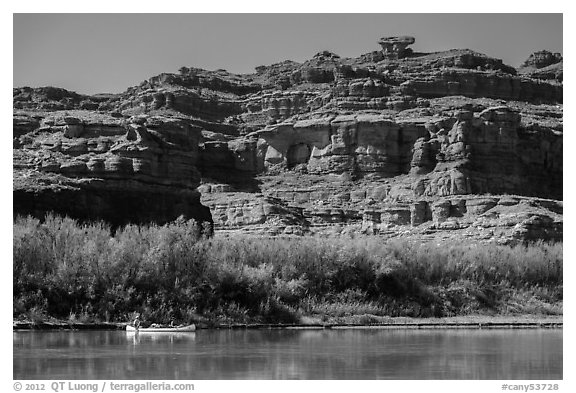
{"points": [[133, 170], [392, 143]]}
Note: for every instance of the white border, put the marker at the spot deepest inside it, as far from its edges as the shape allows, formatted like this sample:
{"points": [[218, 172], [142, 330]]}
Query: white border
{"points": [[296, 6]]}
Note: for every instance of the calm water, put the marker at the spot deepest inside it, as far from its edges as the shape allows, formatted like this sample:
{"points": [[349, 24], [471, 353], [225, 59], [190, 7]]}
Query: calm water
{"points": [[291, 354]]}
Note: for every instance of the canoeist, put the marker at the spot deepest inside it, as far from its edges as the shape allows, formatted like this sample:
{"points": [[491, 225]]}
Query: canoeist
{"points": [[136, 322]]}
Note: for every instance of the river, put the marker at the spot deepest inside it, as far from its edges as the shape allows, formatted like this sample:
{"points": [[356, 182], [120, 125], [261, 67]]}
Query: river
{"points": [[405, 354]]}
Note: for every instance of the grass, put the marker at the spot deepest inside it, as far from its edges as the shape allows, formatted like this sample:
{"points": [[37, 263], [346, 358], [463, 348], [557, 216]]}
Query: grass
{"points": [[69, 270]]}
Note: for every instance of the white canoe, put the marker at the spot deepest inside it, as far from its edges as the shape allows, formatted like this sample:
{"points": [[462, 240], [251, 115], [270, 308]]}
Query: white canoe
{"points": [[178, 329]]}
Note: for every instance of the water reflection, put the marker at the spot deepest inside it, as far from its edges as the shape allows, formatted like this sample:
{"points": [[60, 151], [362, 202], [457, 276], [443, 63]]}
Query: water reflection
{"points": [[291, 354]]}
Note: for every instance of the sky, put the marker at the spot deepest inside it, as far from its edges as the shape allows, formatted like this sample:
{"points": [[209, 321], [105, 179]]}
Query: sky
{"points": [[107, 53]]}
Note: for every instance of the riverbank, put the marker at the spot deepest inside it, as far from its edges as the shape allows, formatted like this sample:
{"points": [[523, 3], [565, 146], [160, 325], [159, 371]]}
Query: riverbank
{"points": [[85, 273], [467, 322]]}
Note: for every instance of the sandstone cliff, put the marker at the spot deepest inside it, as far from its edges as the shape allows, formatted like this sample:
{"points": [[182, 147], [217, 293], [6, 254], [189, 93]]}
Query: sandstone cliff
{"points": [[94, 166], [448, 144]]}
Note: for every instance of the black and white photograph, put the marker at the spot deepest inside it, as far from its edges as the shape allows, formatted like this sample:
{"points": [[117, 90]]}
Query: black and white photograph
{"points": [[286, 196]]}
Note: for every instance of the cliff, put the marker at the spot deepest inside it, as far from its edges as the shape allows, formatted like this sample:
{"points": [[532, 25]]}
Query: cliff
{"points": [[391, 143], [93, 166]]}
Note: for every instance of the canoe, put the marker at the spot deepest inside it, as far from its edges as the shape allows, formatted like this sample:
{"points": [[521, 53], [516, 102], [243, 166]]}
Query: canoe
{"points": [[178, 329]]}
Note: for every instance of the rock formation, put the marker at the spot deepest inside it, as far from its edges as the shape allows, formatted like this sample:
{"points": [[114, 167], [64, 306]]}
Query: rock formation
{"points": [[395, 47], [89, 166], [542, 59], [392, 143], [543, 65]]}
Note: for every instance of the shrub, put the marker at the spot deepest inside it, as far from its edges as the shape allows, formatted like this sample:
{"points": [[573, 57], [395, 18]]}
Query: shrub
{"points": [[67, 269]]}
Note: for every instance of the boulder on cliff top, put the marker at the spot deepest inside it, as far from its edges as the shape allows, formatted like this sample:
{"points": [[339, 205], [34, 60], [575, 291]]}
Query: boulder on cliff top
{"points": [[404, 39], [395, 47]]}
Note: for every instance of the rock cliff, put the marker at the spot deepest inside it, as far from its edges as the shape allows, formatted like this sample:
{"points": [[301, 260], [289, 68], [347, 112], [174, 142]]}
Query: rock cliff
{"points": [[543, 65], [94, 166], [393, 142]]}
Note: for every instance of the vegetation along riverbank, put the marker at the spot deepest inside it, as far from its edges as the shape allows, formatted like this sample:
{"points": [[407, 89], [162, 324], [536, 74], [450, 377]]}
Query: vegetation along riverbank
{"points": [[83, 273]]}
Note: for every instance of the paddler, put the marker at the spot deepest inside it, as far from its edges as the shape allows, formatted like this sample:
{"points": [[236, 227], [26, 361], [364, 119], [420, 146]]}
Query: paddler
{"points": [[136, 322]]}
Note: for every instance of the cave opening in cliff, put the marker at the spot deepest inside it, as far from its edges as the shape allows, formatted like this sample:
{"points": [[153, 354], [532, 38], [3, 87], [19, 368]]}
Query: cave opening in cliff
{"points": [[298, 154]]}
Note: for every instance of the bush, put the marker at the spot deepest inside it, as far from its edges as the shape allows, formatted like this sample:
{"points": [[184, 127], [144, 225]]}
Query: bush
{"points": [[66, 269]]}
